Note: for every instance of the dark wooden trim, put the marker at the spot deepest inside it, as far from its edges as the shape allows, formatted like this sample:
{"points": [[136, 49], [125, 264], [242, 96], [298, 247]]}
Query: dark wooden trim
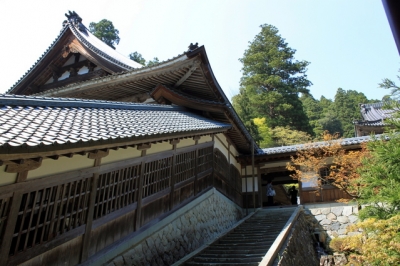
{"points": [[139, 200], [25, 165], [39, 249], [226, 147], [22, 176], [173, 179], [89, 218], [155, 196], [113, 215], [10, 227], [98, 154], [195, 185]]}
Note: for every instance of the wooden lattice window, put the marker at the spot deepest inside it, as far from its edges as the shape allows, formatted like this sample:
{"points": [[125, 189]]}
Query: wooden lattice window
{"points": [[185, 165], [157, 176], [116, 189], [236, 178], [205, 159], [49, 212], [4, 212], [221, 165]]}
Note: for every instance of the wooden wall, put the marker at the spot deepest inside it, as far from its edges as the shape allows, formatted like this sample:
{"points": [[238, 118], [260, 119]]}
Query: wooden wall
{"points": [[330, 194], [69, 217]]}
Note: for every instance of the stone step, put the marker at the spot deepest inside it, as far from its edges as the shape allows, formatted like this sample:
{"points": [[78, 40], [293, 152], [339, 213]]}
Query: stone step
{"points": [[221, 264], [228, 260], [248, 243], [230, 255]]}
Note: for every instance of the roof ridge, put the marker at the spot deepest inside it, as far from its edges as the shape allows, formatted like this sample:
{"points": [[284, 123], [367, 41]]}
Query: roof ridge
{"points": [[23, 100], [63, 30]]}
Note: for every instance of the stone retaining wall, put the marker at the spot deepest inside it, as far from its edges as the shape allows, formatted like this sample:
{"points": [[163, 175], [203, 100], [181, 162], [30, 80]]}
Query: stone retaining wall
{"points": [[330, 220], [181, 233], [300, 245]]}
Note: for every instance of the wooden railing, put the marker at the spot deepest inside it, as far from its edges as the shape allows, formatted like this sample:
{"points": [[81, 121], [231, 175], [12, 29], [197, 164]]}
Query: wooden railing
{"points": [[93, 208]]}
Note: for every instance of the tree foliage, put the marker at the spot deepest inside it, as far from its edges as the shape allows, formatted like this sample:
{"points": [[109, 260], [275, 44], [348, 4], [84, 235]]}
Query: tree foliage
{"points": [[137, 57], [283, 136], [329, 155], [105, 31], [264, 132], [376, 243], [272, 81]]}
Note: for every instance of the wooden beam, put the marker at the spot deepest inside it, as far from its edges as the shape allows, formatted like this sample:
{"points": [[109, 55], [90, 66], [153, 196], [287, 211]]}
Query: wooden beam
{"points": [[23, 165], [187, 74], [97, 154]]}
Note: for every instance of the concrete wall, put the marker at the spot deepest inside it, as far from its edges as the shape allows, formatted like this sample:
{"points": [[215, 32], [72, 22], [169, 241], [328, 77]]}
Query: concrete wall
{"points": [[179, 234]]}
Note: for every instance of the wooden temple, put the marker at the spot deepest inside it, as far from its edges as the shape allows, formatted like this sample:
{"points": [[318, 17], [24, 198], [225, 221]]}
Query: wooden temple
{"points": [[94, 146]]}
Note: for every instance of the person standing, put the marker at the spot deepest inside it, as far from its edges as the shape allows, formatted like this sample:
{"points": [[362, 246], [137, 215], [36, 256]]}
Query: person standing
{"points": [[293, 195], [270, 194]]}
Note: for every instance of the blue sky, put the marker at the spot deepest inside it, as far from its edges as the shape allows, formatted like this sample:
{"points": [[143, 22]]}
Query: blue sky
{"points": [[348, 43]]}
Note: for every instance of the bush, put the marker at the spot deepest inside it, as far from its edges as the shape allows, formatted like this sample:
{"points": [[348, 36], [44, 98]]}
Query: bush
{"points": [[377, 244]]}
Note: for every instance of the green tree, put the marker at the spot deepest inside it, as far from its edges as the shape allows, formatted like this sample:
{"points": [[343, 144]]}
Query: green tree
{"points": [[135, 56], [346, 108], [155, 61], [265, 133], [314, 112], [284, 136], [241, 104], [105, 31], [272, 81]]}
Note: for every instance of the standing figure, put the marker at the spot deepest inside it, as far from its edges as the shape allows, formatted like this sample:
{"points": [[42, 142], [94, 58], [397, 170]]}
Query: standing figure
{"points": [[293, 195], [270, 194]]}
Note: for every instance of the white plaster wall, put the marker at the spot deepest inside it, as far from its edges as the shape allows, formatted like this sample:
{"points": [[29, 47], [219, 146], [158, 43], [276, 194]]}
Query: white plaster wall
{"points": [[185, 143], [204, 139], [121, 154], [6, 178], [62, 165], [249, 181], [159, 147]]}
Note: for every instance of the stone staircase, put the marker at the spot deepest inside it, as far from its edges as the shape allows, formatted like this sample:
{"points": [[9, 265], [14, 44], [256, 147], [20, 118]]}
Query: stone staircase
{"points": [[248, 243]]}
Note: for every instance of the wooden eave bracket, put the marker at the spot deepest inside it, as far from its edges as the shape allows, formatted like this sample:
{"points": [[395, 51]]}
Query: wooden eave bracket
{"points": [[144, 146], [98, 154], [174, 141], [23, 165]]}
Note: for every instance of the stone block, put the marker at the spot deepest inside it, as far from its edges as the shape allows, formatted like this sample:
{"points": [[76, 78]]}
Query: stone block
{"points": [[347, 210], [343, 219], [355, 209], [339, 259], [342, 231], [320, 217], [344, 226], [325, 210], [335, 226], [353, 233], [337, 210], [315, 211], [331, 216], [119, 261], [353, 219], [325, 221]]}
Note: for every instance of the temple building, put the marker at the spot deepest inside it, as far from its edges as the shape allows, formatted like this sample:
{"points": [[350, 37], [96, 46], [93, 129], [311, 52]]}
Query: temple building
{"points": [[95, 148], [373, 118]]}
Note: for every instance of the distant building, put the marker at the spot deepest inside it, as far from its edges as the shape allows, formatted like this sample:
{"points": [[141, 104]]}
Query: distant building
{"points": [[373, 119]]}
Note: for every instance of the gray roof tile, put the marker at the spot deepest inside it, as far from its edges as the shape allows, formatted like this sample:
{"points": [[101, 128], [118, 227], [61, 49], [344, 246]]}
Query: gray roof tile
{"points": [[37, 120], [294, 148]]}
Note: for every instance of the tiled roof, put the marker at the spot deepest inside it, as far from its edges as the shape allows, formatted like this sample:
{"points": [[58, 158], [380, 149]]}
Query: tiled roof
{"points": [[100, 48], [294, 148], [38, 121], [91, 42], [374, 114]]}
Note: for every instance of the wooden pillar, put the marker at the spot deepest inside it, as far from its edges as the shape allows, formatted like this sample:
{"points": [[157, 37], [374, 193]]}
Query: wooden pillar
{"points": [[260, 192], [173, 171], [143, 148], [253, 180], [96, 156], [196, 183], [10, 227]]}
